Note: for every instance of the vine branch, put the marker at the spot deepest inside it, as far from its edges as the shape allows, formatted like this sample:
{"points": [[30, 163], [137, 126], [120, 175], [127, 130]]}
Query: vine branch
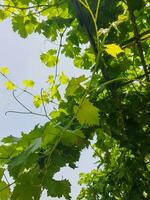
{"points": [[138, 41]]}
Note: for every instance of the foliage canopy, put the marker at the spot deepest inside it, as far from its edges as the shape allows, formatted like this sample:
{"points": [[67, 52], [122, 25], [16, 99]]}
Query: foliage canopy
{"points": [[111, 39]]}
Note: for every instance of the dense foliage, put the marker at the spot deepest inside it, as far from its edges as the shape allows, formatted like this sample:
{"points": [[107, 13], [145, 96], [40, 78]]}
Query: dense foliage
{"points": [[111, 39]]}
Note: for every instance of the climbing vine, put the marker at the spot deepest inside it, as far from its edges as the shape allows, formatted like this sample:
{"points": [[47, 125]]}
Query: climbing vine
{"points": [[111, 39]]}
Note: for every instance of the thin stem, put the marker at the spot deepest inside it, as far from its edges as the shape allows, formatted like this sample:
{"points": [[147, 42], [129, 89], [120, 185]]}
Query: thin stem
{"points": [[97, 10], [6, 179], [25, 8], [4, 188], [44, 104], [58, 53], [20, 102], [138, 41]]}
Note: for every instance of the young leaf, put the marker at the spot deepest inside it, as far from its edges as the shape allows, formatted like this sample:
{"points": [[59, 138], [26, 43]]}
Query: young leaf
{"points": [[87, 113], [63, 78], [54, 92], [113, 49], [51, 79], [74, 84], [28, 83], [4, 70], [9, 85], [49, 58]]}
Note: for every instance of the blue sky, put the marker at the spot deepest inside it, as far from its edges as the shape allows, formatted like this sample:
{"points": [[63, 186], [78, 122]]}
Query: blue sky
{"points": [[21, 56]]}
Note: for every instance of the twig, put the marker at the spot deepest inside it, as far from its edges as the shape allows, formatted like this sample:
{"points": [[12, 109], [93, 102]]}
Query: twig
{"points": [[138, 41], [4, 188], [44, 104], [58, 53]]}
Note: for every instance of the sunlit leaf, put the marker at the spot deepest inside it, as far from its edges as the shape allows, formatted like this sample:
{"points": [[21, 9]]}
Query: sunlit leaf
{"points": [[49, 58], [9, 85], [4, 194], [86, 113], [4, 70], [51, 79], [113, 49], [28, 83], [63, 78], [74, 84]]}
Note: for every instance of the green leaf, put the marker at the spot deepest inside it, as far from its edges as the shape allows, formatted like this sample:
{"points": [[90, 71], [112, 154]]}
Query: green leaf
{"points": [[28, 186], [148, 166], [113, 49], [18, 23], [38, 100], [10, 139], [54, 92], [50, 134], [73, 138], [4, 70], [1, 173], [4, 194], [21, 158], [51, 79], [56, 113], [9, 85], [58, 188], [49, 58], [86, 113], [63, 78], [73, 85], [28, 83]]}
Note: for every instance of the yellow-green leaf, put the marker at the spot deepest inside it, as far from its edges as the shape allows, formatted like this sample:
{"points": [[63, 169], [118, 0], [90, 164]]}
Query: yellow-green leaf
{"points": [[28, 83], [63, 78], [49, 58], [113, 49], [74, 84], [9, 85], [87, 113], [51, 79], [54, 92], [4, 194], [4, 70]]}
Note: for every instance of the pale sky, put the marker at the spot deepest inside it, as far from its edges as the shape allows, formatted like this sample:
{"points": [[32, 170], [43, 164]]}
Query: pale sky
{"points": [[21, 56]]}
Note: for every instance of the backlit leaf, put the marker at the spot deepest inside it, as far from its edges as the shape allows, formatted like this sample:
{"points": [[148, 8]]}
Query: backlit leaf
{"points": [[63, 78], [28, 83], [51, 79], [49, 58], [4, 70], [113, 49], [4, 194], [9, 85], [74, 84], [87, 113]]}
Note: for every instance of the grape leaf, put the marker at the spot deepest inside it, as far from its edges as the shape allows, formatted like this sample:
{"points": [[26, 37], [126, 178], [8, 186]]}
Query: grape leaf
{"points": [[56, 188], [51, 79], [74, 84], [9, 85], [63, 78], [113, 49], [28, 83], [4, 194], [86, 113], [49, 58], [4, 70], [21, 158]]}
